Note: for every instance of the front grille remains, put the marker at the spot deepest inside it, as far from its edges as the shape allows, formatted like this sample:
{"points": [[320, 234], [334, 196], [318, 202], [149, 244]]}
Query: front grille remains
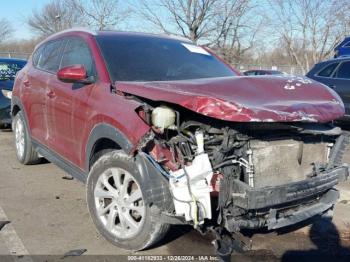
{"points": [[284, 161]]}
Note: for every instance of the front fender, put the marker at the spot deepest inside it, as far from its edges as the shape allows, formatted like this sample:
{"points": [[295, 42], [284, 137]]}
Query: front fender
{"points": [[106, 131]]}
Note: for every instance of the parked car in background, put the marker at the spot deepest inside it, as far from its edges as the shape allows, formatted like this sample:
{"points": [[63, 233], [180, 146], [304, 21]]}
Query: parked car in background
{"points": [[259, 72], [8, 70], [343, 49], [335, 73], [163, 132]]}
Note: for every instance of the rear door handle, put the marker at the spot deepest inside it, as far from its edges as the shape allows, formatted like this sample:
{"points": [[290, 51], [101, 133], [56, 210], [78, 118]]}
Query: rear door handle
{"points": [[51, 94], [26, 83], [332, 86]]}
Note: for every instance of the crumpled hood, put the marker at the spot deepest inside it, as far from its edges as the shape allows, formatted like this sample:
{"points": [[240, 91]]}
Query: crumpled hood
{"points": [[246, 99]]}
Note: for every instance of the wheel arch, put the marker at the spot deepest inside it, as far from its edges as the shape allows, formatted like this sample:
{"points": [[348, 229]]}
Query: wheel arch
{"points": [[17, 106], [158, 190], [15, 109], [105, 137]]}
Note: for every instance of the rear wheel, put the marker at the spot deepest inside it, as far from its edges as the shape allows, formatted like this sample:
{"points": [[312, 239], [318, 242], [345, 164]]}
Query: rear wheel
{"points": [[117, 204], [25, 152]]}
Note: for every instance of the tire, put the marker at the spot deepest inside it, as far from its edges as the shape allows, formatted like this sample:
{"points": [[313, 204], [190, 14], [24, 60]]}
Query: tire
{"points": [[115, 186], [25, 152]]}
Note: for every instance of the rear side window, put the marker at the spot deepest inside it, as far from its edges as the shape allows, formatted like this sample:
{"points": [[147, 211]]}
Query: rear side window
{"points": [[328, 70], [78, 53], [344, 70], [50, 57], [37, 55]]}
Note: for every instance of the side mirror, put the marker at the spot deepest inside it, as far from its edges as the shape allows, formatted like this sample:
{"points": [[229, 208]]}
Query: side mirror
{"points": [[74, 74]]}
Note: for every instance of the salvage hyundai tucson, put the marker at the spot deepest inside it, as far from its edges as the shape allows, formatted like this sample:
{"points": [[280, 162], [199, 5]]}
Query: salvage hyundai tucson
{"points": [[163, 132]]}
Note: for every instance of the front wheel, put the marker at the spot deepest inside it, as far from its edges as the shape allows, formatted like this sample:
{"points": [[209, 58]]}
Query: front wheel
{"points": [[25, 152], [117, 204]]}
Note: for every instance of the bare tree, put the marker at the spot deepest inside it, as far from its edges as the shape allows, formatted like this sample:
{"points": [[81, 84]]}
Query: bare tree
{"points": [[5, 29], [225, 25], [310, 29], [53, 17], [193, 19], [237, 26], [24, 46], [101, 14]]}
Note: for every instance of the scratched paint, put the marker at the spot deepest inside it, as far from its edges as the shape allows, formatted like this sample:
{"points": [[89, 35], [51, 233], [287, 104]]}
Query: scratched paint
{"points": [[247, 99]]}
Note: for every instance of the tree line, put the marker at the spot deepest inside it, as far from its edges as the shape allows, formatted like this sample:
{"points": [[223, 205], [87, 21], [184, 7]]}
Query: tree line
{"points": [[289, 32]]}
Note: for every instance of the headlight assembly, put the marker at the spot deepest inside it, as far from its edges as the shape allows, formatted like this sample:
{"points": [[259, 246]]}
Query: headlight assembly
{"points": [[7, 93]]}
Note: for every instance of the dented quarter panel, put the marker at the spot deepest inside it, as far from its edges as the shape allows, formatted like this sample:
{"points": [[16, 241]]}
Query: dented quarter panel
{"points": [[247, 99]]}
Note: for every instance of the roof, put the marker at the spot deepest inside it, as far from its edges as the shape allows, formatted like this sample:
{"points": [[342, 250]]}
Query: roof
{"points": [[341, 58], [141, 34], [263, 70], [115, 33]]}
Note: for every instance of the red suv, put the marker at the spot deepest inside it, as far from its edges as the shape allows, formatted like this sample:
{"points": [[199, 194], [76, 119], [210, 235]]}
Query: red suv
{"points": [[163, 132]]}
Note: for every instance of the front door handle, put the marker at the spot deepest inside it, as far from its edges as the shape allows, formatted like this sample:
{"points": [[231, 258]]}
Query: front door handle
{"points": [[332, 86]]}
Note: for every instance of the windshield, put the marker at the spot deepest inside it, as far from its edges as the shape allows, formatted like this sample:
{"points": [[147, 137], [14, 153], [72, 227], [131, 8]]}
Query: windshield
{"points": [[8, 70], [145, 58]]}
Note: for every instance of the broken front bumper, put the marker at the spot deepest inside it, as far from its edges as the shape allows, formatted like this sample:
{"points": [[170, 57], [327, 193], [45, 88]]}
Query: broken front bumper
{"points": [[284, 205]]}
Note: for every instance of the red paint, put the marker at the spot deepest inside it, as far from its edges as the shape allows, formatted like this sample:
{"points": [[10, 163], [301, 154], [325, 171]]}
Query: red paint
{"points": [[62, 118], [63, 122], [245, 99], [215, 183], [72, 73], [163, 155]]}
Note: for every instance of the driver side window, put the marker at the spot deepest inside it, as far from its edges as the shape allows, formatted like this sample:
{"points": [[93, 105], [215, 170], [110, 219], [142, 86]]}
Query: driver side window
{"points": [[77, 52]]}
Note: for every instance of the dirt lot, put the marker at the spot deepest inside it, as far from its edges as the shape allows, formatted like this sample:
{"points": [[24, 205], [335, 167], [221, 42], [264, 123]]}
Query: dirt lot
{"points": [[49, 216]]}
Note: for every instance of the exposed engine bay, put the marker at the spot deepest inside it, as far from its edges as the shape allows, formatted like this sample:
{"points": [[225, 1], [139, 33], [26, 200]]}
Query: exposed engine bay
{"points": [[244, 175]]}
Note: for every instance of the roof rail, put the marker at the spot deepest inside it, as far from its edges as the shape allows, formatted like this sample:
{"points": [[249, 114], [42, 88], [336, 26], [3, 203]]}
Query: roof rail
{"points": [[76, 29]]}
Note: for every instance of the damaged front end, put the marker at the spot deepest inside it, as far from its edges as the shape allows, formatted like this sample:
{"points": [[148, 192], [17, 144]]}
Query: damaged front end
{"points": [[226, 177], [293, 180]]}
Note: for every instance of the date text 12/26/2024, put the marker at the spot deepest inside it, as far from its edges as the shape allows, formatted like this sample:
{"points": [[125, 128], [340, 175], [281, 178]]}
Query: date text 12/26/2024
{"points": [[173, 258]]}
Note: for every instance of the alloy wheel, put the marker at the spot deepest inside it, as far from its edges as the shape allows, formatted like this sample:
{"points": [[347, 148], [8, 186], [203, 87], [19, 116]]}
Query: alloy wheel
{"points": [[19, 137], [119, 203]]}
